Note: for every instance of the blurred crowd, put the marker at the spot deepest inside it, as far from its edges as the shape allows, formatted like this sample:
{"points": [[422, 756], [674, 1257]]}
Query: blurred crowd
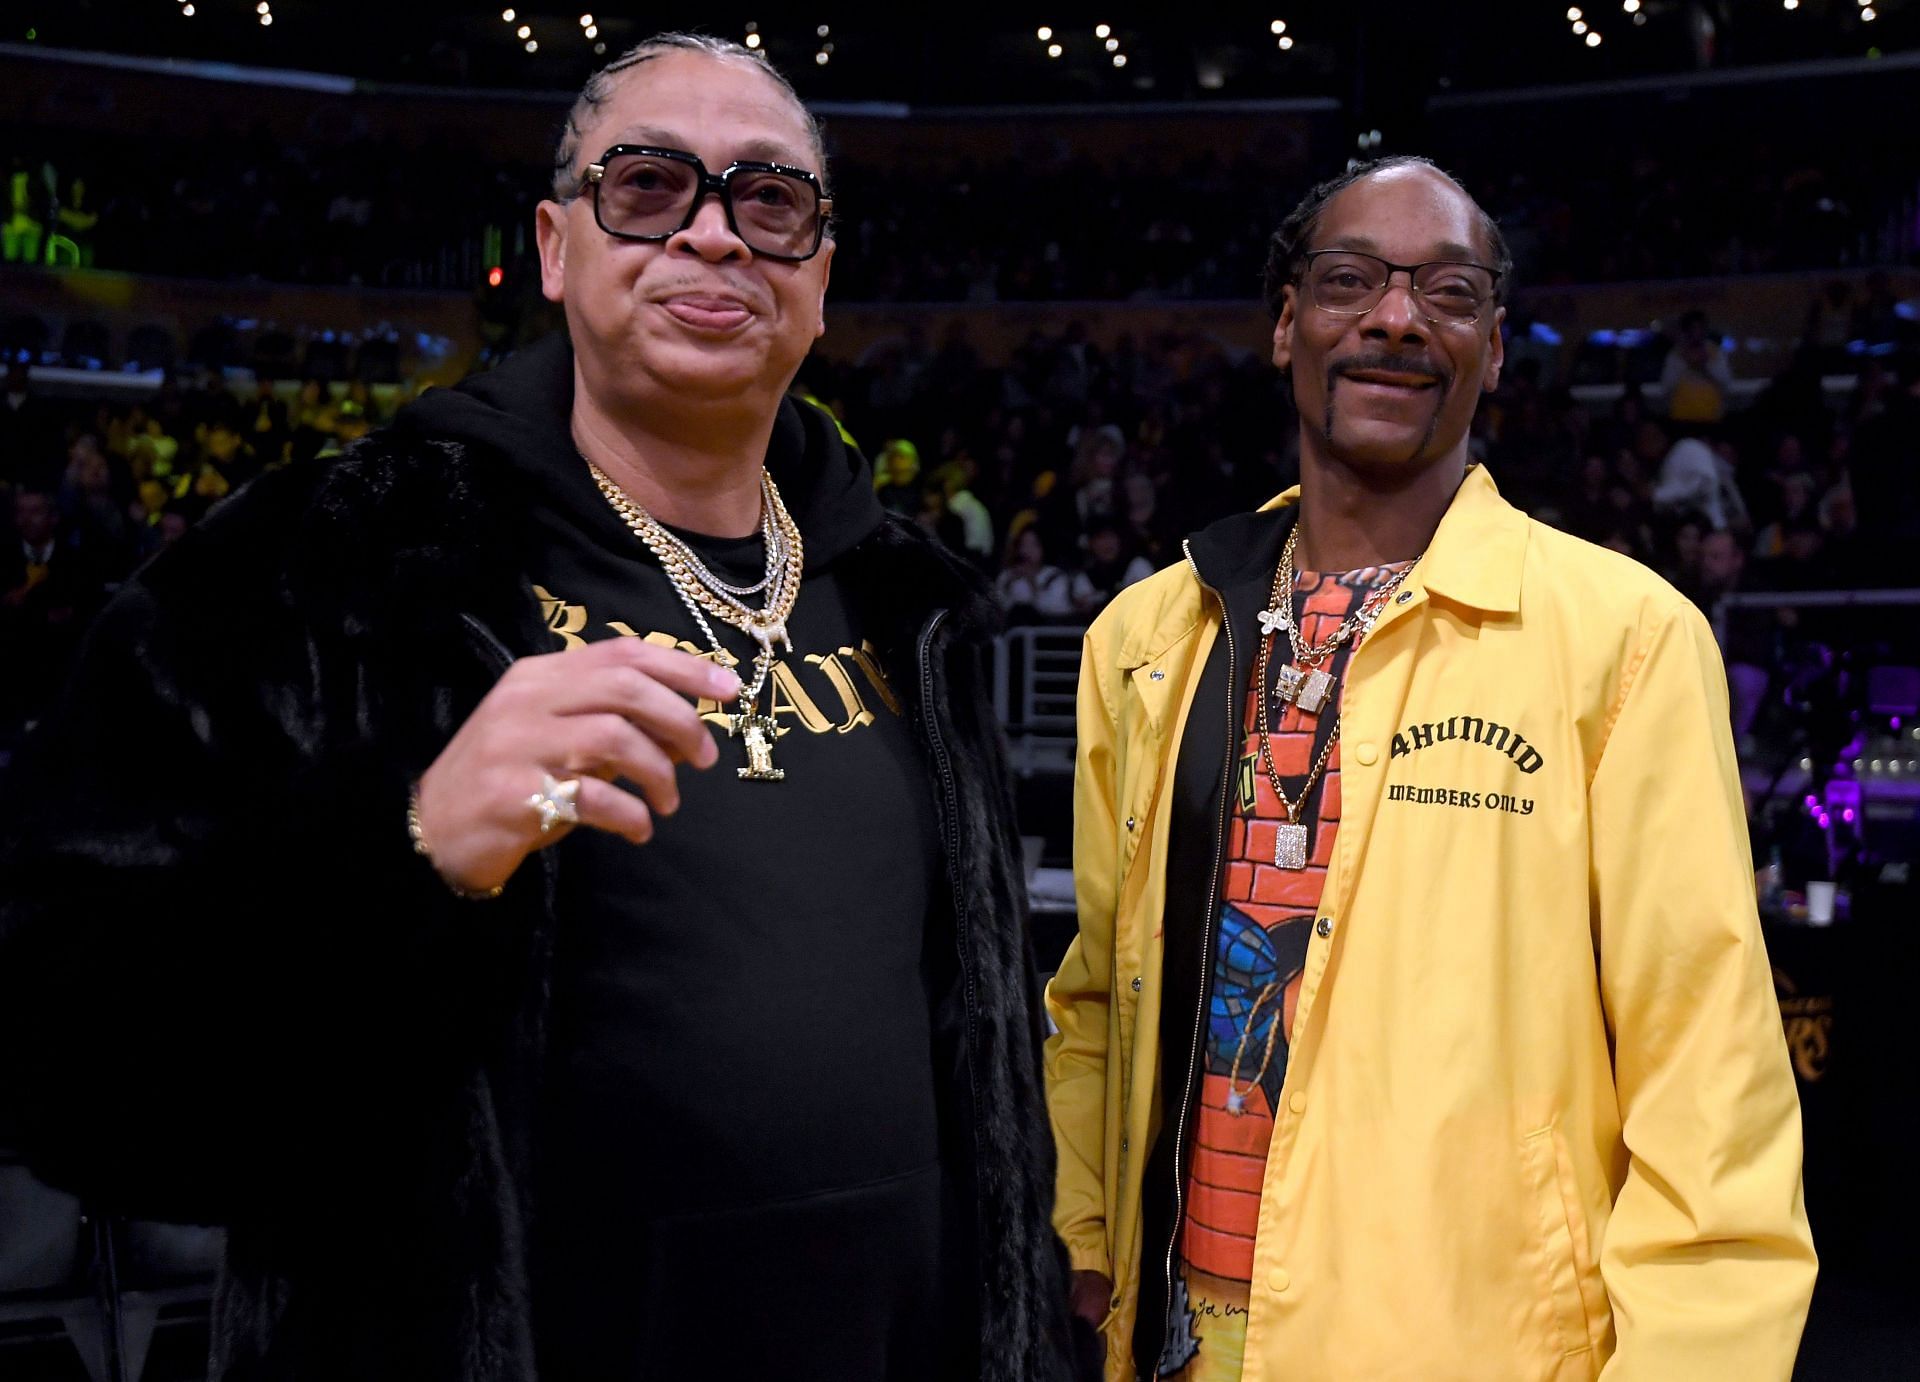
{"points": [[245, 205], [1071, 471]]}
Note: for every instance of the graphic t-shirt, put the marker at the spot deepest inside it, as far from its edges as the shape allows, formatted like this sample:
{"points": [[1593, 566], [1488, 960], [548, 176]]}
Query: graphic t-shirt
{"points": [[1260, 947], [738, 1164]]}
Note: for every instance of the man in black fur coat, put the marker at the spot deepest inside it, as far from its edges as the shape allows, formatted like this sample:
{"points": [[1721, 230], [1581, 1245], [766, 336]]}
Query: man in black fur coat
{"points": [[376, 893]]}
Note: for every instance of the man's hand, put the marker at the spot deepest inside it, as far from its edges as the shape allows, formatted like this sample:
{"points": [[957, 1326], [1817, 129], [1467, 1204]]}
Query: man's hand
{"points": [[622, 708], [1090, 1296]]}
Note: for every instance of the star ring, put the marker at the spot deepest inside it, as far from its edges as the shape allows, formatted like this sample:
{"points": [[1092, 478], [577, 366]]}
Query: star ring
{"points": [[557, 802]]}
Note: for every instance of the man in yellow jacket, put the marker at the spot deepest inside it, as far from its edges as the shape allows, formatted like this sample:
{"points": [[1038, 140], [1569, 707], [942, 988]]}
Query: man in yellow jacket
{"points": [[1419, 1025]]}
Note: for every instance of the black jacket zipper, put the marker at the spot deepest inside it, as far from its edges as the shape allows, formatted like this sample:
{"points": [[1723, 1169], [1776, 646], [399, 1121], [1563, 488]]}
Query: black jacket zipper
{"points": [[1206, 936]]}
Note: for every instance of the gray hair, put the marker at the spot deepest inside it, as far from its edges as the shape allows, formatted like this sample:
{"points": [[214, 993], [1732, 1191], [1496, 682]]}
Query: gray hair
{"points": [[600, 86]]}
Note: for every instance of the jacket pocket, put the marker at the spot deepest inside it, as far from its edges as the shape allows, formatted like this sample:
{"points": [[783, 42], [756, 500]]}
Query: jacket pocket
{"points": [[1559, 1267]]}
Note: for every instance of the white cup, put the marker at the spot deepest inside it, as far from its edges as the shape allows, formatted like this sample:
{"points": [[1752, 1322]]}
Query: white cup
{"points": [[1820, 904]]}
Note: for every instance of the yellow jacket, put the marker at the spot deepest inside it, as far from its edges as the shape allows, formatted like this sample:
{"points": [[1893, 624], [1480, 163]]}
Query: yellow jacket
{"points": [[1538, 1118]]}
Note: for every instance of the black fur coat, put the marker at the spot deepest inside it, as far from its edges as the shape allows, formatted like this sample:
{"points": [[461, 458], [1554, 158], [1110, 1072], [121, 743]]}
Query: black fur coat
{"points": [[231, 993]]}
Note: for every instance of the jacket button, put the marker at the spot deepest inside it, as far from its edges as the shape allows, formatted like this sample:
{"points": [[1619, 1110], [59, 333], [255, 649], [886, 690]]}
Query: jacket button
{"points": [[1278, 1279], [1298, 1103], [1136, 983], [1366, 755], [1323, 927], [1156, 675], [1403, 597], [1129, 822]]}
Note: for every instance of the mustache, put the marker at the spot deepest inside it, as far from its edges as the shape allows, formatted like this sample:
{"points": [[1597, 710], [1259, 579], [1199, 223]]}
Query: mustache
{"points": [[711, 284], [1387, 362]]}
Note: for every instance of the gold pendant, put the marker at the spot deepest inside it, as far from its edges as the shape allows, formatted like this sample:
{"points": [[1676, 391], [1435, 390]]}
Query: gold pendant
{"points": [[758, 731], [1287, 685], [1289, 846]]}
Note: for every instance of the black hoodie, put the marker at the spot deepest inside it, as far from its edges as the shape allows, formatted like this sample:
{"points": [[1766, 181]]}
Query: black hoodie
{"points": [[202, 861], [739, 1121]]}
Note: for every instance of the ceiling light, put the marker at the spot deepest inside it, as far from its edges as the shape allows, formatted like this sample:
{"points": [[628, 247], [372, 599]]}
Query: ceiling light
{"points": [[1573, 14], [1113, 45], [533, 45], [1630, 6], [1053, 50], [753, 40], [1102, 30], [1119, 59], [1867, 13], [507, 15], [262, 7], [1044, 33], [820, 58], [593, 31], [1593, 39], [822, 31], [524, 31], [1279, 26], [1579, 27], [1286, 42], [266, 19]]}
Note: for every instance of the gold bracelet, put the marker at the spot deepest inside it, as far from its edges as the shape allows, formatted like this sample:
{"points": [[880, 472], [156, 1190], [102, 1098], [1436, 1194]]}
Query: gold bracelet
{"points": [[420, 848]]}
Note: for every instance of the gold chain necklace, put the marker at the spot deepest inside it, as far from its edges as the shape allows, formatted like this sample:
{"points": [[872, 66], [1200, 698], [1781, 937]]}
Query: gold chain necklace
{"points": [[705, 594], [1304, 682], [1289, 836]]}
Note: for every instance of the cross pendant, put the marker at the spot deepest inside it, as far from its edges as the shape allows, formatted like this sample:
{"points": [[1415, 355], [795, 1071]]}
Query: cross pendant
{"points": [[758, 731], [1274, 620]]}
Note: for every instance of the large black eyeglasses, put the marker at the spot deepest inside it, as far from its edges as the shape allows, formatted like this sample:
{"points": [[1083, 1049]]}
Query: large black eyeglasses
{"points": [[1347, 283], [653, 194]]}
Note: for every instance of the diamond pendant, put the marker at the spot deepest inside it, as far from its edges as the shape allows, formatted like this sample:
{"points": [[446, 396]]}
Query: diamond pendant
{"points": [[1287, 685], [1236, 1102], [1274, 621], [758, 731], [1313, 692], [1289, 846], [766, 635]]}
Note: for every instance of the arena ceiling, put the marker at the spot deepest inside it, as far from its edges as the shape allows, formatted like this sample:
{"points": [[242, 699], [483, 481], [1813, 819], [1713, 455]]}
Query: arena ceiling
{"points": [[1381, 58]]}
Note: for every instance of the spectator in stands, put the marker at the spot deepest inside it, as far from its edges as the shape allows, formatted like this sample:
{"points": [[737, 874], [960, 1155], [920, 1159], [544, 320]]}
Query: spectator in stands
{"points": [[1696, 478], [1030, 588], [46, 595], [1143, 523], [93, 509], [1095, 474], [1746, 637], [1695, 377], [897, 475], [1109, 568], [976, 524], [503, 1041]]}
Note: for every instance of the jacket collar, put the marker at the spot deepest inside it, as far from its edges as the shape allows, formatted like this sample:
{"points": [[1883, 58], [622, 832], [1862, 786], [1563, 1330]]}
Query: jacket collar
{"points": [[1475, 558]]}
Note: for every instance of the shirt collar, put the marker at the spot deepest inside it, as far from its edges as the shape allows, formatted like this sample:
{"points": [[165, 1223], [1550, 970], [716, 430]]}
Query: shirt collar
{"points": [[1478, 551]]}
